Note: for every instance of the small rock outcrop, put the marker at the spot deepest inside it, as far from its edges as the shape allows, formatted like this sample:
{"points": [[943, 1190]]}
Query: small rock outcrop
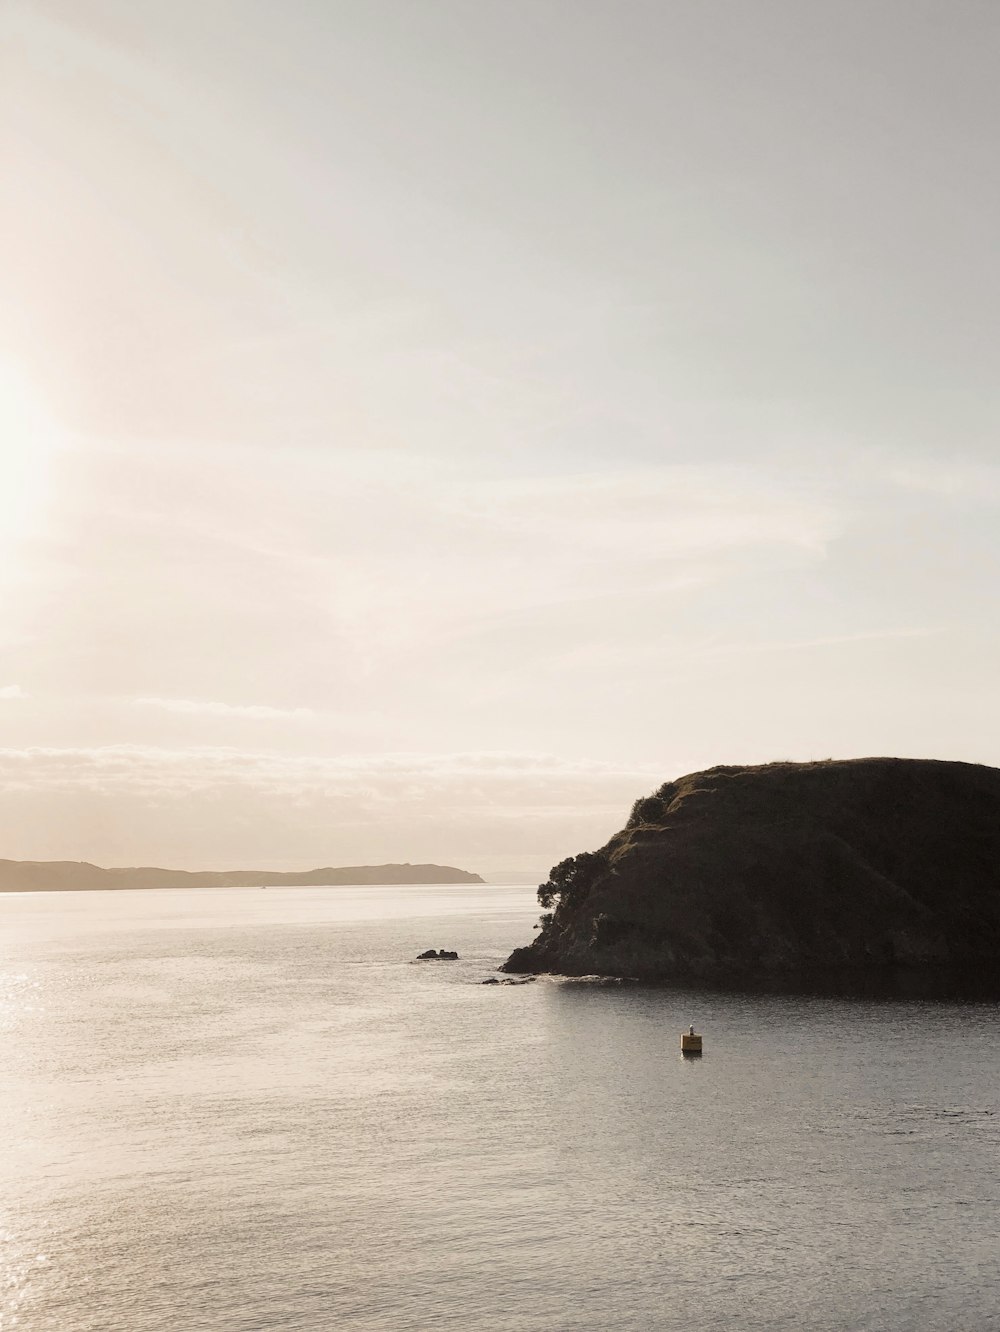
{"points": [[437, 955], [797, 870]]}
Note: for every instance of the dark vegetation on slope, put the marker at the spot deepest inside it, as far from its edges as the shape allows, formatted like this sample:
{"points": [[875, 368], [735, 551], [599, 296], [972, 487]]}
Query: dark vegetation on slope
{"points": [[78, 875], [798, 870]]}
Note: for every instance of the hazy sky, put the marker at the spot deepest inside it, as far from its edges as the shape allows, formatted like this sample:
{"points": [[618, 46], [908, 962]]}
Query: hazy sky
{"points": [[429, 424]]}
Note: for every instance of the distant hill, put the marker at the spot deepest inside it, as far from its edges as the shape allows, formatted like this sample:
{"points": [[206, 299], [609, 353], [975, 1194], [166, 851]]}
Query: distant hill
{"points": [[78, 875], [740, 874]]}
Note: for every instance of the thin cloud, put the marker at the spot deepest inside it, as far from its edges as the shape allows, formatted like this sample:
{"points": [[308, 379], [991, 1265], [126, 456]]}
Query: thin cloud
{"points": [[466, 778], [198, 707], [955, 478], [12, 691], [456, 808], [808, 644], [122, 804]]}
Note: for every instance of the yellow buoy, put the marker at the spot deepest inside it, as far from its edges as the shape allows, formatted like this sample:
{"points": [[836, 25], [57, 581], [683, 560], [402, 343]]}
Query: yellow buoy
{"points": [[690, 1043]]}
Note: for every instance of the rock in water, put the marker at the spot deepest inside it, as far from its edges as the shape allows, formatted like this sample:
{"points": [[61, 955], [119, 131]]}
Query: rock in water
{"points": [[798, 870]]}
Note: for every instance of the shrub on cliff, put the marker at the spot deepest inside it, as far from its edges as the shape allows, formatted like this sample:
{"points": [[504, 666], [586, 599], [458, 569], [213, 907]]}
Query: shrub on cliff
{"points": [[647, 809], [572, 879]]}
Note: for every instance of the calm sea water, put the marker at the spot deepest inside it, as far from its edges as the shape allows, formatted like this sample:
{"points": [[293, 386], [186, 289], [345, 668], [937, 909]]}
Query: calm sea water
{"points": [[252, 1110]]}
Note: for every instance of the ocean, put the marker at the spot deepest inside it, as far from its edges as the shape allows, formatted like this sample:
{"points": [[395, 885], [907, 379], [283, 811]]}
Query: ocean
{"points": [[252, 1110]]}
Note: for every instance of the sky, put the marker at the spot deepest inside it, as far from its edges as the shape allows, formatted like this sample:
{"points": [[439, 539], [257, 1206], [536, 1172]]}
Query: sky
{"points": [[425, 428]]}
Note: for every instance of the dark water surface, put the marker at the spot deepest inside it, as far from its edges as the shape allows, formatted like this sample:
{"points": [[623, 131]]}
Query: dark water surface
{"points": [[250, 1110]]}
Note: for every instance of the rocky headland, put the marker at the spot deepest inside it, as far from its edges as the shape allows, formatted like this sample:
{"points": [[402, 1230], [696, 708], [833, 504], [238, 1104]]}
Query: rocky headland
{"points": [[793, 871]]}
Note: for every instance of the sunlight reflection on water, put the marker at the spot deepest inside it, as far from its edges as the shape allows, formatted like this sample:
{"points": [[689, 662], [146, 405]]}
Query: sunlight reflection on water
{"points": [[253, 1109]]}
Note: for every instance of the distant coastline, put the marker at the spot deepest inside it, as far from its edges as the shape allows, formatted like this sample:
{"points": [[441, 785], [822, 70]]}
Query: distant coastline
{"points": [[20, 876]]}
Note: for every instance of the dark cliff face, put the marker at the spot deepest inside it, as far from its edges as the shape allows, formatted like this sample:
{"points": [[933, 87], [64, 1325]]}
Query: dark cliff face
{"points": [[787, 870]]}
